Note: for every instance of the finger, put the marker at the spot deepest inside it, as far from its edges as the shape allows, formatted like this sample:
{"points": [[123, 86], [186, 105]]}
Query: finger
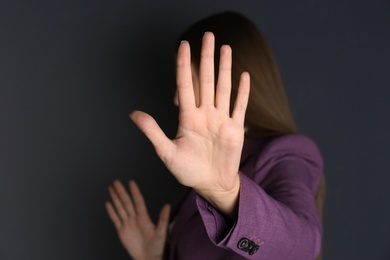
{"points": [[153, 132], [117, 204], [241, 102], [124, 198], [206, 70], [222, 99], [163, 220], [185, 89], [139, 201], [112, 214]]}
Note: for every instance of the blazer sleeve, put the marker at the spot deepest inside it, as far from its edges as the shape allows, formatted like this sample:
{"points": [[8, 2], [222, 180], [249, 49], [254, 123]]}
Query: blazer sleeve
{"points": [[276, 221]]}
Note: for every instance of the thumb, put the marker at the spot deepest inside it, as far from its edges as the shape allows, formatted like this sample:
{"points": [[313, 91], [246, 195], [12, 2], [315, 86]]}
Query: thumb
{"points": [[162, 144], [163, 220]]}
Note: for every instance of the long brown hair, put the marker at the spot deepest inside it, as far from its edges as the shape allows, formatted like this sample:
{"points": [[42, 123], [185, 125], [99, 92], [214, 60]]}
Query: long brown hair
{"points": [[268, 113]]}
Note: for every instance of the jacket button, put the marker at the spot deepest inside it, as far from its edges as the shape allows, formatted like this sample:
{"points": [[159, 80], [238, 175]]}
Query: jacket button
{"points": [[243, 243], [248, 246], [254, 250]]}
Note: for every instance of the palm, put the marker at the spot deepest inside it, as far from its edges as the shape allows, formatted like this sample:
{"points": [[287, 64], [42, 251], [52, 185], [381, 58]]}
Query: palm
{"points": [[135, 230], [208, 148]]}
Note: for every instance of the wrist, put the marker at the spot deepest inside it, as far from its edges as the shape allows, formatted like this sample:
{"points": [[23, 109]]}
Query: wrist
{"points": [[225, 201]]}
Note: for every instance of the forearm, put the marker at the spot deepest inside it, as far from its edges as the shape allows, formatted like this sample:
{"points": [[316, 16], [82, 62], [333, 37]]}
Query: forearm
{"points": [[281, 232]]}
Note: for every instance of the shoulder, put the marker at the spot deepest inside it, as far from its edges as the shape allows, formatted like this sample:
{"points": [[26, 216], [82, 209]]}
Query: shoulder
{"points": [[298, 144], [293, 149]]}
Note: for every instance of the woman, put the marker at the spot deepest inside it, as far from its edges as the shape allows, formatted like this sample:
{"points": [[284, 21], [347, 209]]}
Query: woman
{"points": [[253, 179]]}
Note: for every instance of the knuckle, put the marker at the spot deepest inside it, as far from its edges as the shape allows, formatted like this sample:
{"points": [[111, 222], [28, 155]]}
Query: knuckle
{"points": [[207, 79]]}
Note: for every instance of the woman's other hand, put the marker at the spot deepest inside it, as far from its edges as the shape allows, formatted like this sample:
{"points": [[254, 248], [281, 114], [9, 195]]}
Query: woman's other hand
{"points": [[142, 239]]}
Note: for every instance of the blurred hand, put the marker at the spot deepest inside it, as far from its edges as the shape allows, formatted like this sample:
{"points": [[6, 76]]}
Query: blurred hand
{"points": [[142, 239], [205, 154]]}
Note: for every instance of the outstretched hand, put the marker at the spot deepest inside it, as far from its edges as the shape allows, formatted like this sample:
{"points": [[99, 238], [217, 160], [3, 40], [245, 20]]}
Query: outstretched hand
{"points": [[137, 233], [205, 154]]}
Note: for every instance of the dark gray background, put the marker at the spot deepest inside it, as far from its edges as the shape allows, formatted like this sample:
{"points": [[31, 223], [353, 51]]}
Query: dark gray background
{"points": [[71, 71]]}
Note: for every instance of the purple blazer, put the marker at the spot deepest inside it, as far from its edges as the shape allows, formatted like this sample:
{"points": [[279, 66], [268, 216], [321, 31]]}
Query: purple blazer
{"points": [[277, 215]]}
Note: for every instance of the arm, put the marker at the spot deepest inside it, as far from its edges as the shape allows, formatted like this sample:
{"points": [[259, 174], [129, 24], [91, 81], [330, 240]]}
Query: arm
{"points": [[283, 221]]}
